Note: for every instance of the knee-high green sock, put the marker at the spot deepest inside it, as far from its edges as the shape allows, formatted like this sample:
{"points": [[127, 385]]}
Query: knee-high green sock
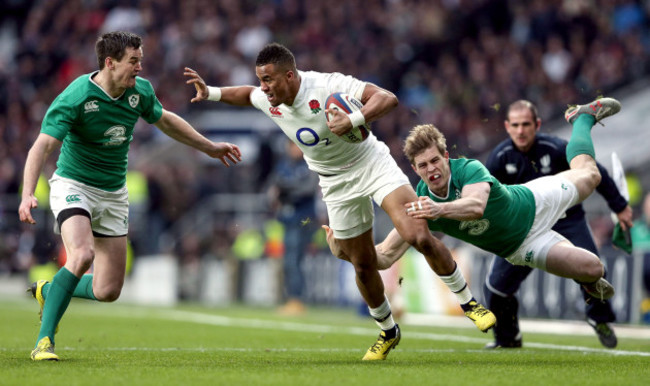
{"points": [[83, 290], [580, 142], [58, 298]]}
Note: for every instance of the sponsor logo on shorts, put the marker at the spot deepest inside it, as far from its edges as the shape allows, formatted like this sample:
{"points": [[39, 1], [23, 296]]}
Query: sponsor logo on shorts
{"points": [[72, 198], [529, 256], [126, 220], [564, 187], [91, 106]]}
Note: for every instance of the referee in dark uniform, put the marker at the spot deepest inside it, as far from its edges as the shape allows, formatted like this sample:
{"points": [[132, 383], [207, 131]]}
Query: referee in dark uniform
{"points": [[527, 155]]}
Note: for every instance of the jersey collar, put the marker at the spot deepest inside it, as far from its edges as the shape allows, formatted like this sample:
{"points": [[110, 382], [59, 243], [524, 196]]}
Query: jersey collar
{"points": [[90, 78], [448, 188]]}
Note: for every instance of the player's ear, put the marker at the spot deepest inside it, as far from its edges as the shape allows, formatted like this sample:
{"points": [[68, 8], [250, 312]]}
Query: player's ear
{"points": [[538, 123]]}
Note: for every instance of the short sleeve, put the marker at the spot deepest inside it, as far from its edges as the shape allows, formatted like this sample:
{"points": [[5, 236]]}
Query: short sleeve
{"points": [[59, 119]]}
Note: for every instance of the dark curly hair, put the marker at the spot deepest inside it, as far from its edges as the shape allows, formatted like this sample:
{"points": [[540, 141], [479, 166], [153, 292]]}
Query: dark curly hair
{"points": [[276, 54]]}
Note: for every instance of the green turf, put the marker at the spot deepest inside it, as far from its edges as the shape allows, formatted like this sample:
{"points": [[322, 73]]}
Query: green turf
{"points": [[120, 344]]}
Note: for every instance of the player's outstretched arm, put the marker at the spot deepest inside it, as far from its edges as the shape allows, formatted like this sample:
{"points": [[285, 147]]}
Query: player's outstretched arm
{"points": [[236, 95], [388, 251], [470, 206], [178, 129], [391, 249], [42, 148]]}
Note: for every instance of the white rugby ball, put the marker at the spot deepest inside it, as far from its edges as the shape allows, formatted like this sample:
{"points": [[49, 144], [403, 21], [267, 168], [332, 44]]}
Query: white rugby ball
{"points": [[347, 104]]}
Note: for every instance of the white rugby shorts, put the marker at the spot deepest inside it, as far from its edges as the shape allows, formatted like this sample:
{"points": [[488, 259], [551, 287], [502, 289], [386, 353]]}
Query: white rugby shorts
{"points": [[349, 196], [553, 196], [109, 211]]}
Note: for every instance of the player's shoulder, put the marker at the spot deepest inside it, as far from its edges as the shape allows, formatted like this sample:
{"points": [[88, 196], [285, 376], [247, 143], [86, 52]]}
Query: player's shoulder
{"points": [[315, 79], [464, 162], [143, 85], [76, 92]]}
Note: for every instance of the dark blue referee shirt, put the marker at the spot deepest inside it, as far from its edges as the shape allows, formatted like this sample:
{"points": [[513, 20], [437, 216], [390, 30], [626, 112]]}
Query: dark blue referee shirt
{"points": [[546, 157]]}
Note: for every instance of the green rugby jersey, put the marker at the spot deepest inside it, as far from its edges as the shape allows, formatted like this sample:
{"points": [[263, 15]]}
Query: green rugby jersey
{"points": [[97, 130], [508, 215]]}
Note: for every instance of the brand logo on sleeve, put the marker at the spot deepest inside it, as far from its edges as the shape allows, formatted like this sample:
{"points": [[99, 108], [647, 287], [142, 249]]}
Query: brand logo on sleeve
{"points": [[275, 112], [91, 106]]}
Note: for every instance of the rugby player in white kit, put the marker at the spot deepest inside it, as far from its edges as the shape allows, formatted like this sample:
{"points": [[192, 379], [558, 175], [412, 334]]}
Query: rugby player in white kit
{"points": [[351, 174]]}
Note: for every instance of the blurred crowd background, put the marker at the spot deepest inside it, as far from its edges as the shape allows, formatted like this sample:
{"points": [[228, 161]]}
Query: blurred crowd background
{"points": [[456, 63]]}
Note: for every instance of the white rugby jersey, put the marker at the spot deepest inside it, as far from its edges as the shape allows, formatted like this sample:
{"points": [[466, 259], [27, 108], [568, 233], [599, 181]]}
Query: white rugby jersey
{"points": [[304, 122]]}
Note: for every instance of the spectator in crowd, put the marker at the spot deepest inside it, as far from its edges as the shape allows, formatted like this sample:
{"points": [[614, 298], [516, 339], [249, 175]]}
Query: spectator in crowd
{"points": [[455, 64]]}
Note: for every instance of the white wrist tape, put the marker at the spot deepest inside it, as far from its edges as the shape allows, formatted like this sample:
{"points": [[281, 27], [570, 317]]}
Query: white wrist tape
{"points": [[214, 93], [357, 118]]}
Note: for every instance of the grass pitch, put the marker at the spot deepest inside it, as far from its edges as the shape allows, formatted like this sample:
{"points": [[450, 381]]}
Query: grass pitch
{"points": [[134, 345]]}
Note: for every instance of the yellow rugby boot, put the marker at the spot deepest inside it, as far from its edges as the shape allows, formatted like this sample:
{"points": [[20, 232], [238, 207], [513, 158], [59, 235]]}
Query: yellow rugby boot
{"points": [[37, 292], [383, 345], [481, 316], [44, 351]]}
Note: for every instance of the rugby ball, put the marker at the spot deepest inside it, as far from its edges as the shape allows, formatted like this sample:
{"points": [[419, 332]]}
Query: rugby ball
{"points": [[347, 104]]}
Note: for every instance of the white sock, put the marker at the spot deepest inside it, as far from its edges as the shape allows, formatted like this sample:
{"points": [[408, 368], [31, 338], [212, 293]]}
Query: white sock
{"points": [[457, 284], [382, 315]]}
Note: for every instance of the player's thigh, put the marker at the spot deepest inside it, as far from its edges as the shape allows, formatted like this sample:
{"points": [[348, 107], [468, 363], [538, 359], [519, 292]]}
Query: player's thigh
{"points": [[565, 259], [110, 264], [78, 241]]}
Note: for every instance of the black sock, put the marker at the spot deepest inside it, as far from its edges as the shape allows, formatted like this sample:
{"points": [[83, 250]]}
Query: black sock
{"points": [[390, 334], [466, 307]]}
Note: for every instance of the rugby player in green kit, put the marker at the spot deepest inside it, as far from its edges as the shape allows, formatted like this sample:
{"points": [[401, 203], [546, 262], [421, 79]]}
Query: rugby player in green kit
{"points": [[92, 121]]}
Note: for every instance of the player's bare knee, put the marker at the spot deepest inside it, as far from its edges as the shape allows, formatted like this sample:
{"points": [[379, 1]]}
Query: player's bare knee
{"points": [[80, 260], [365, 267], [596, 270], [594, 176], [419, 240], [109, 294]]}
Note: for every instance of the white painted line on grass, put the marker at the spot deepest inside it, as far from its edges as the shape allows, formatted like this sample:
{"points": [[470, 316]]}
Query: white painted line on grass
{"points": [[216, 320]]}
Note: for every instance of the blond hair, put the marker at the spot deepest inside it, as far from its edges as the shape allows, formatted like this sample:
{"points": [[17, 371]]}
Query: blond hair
{"points": [[422, 137]]}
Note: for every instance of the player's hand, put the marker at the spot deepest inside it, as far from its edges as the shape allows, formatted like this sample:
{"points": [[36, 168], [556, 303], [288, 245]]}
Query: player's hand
{"points": [[625, 218], [25, 209], [199, 84], [335, 248], [226, 151], [339, 123], [424, 207]]}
